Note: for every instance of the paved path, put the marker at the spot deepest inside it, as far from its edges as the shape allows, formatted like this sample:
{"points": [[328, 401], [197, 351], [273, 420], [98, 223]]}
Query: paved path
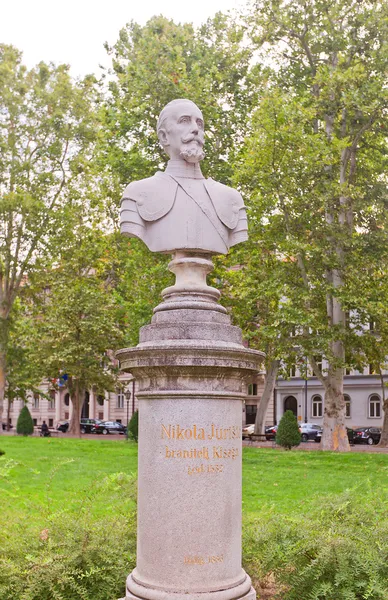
{"points": [[314, 446]]}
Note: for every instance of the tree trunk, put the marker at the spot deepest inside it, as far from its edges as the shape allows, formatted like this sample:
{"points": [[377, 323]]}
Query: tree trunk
{"points": [[2, 385], [269, 386], [9, 405], [75, 397], [334, 436]]}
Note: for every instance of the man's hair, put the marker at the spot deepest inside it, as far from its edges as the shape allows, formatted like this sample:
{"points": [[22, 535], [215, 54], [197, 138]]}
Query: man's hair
{"points": [[164, 115]]}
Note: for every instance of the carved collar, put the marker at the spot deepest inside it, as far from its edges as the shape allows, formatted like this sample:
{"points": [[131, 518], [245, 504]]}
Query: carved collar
{"points": [[181, 168]]}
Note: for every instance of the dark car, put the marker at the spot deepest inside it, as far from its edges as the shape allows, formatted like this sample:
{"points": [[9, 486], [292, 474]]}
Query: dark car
{"points": [[106, 427], [63, 426], [309, 431], [88, 425], [349, 431], [367, 435], [270, 432]]}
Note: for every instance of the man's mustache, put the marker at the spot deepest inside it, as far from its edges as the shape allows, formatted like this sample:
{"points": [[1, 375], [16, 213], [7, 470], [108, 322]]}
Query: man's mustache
{"points": [[192, 138]]}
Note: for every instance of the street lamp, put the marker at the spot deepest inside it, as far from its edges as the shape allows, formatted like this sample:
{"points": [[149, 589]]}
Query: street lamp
{"points": [[127, 395]]}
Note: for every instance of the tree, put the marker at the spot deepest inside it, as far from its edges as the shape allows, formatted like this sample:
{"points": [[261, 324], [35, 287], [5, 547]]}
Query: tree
{"points": [[46, 128], [24, 374], [82, 321], [25, 425], [288, 434], [313, 166]]}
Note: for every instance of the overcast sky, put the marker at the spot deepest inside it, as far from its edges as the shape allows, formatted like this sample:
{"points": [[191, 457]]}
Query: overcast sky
{"points": [[74, 31]]}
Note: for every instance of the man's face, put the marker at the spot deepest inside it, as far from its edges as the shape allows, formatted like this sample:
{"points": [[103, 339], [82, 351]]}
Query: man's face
{"points": [[185, 133]]}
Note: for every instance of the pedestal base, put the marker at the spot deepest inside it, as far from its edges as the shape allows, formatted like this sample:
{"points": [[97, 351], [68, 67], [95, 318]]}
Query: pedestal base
{"points": [[192, 372], [250, 596], [234, 593]]}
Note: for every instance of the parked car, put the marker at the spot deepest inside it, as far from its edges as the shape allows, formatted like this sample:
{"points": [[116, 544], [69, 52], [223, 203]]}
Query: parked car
{"points": [[349, 431], [270, 432], [248, 430], [88, 425], [63, 426], [106, 427], [309, 431], [367, 435]]}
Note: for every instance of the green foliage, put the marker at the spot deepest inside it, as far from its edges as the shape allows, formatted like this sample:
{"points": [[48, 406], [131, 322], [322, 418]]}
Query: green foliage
{"points": [[25, 425], [313, 171], [288, 434], [47, 128], [133, 426], [71, 557], [338, 551]]}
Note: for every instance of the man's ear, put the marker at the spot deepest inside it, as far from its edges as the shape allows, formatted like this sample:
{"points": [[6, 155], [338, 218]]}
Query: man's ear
{"points": [[163, 139]]}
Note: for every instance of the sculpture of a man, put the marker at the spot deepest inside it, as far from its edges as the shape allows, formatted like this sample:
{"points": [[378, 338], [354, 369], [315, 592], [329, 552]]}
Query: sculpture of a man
{"points": [[178, 209]]}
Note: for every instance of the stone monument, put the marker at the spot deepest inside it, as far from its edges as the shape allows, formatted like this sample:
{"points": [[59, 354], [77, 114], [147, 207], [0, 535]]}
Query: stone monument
{"points": [[192, 371]]}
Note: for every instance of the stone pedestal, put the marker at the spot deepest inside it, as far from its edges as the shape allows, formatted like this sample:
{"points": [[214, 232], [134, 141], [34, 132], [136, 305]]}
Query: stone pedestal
{"points": [[192, 371]]}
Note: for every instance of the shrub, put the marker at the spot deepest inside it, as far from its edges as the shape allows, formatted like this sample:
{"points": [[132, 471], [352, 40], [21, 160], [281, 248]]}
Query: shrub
{"points": [[73, 554], [25, 424], [133, 426], [339, 551], [288, 434], [2, 452]]}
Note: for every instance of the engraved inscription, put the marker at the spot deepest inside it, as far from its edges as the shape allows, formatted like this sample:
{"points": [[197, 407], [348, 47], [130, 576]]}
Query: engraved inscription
{"points": [[176, 432], [206, 454], [203, 560]]}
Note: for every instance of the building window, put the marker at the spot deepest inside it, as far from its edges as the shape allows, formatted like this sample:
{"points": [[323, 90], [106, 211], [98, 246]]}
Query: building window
{"points": [[35, 403], [100, 399], [374, 407], [52, 400], [101, 416], [35, 422], [371, 369], [51, 423], [293, 371], [252, 389], [317, 406], [120, 399], [250, 413], [347, 406], [66, 416], [67, 399]]}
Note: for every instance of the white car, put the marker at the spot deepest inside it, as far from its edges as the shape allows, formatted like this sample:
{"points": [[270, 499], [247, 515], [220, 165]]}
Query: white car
{"points": [[248, 430]]}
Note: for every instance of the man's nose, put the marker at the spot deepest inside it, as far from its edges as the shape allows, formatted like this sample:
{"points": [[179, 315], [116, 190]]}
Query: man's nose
{"points": [[194, 128]]}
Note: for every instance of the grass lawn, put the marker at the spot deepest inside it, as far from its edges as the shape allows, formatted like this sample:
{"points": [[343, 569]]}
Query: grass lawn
{"points": [[67, 521], [47, 474], [289, 481]]}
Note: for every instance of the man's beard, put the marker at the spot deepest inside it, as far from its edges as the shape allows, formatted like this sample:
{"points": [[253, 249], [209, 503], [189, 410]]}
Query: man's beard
{"points": [[192, 152]]}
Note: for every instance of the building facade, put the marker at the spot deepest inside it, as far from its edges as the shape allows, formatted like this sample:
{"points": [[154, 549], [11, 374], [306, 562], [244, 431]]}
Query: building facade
{"points": [[54, 405], [363, 391]]}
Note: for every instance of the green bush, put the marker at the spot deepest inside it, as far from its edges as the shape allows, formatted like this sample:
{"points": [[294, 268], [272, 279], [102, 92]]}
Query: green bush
{"points": [[73, 555], [133, 426], [25, 424], [288, 434], [337, 552]]}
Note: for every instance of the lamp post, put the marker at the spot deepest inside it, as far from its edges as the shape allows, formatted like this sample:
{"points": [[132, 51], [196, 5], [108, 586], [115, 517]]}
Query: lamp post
{"points": [[127, 395], [305, 391]]}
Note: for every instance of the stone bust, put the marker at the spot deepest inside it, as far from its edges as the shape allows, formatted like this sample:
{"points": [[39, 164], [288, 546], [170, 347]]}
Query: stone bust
{"points": [[178, 209]]}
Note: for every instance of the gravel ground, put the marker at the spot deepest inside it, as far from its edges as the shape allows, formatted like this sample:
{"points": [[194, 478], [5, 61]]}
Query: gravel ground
{"points": [[314, 446]]}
